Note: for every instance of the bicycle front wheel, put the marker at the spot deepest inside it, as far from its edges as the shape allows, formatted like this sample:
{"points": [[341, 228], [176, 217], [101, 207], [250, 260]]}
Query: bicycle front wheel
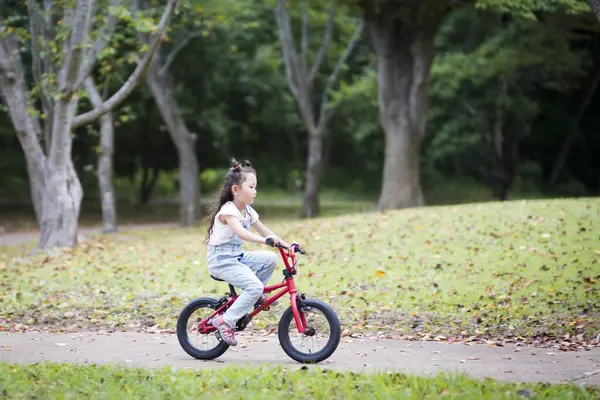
{"points": [[321, 337]]}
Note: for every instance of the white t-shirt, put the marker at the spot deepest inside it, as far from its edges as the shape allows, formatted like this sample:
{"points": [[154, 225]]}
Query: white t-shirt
{"points": [[222, 233]]}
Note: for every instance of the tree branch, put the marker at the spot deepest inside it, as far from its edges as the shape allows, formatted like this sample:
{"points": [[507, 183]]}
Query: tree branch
{"points": [[290, 56], [106, 87], [133, 80], [74, 48], [304, 40], [103, 38], [324, 46], [48, 11], [93, 94], [323, 116], [48, 33], [595, 4], [37, 26], [163, 70]]}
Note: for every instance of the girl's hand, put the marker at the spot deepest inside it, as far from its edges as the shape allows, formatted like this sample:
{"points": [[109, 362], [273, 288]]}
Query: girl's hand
{"points": [[274, 239], [295, 247]]}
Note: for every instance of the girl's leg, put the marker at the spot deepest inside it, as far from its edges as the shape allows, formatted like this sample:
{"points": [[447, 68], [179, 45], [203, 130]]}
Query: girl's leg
{"points": [[263, 264], [240, 276]]}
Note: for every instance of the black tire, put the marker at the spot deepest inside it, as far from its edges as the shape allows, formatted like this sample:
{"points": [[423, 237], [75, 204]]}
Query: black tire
{"points": [[182, 334], [332, 343]]}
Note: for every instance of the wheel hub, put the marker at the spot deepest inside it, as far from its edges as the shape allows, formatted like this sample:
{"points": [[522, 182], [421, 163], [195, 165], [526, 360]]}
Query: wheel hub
{"points": [[309, 332]]}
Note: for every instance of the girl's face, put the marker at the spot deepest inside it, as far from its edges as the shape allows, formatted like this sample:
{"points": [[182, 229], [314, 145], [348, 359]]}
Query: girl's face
{"points": [[246, 192]]}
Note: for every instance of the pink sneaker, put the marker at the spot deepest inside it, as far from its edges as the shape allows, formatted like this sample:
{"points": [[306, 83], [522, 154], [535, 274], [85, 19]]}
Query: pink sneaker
{"points": [[227, 332]]}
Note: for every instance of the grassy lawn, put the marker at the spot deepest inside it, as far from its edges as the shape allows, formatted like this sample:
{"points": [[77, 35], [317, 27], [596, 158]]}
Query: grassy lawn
{"points": [[524, 269], [59, 381]]}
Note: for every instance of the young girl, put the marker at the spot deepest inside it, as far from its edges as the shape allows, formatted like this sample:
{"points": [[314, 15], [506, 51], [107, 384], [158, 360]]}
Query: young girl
{"points": [[229, 227]]}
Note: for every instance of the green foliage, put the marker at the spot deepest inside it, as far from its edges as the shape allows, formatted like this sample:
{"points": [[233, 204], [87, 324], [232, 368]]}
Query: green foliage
{"points": [[529, 8], [502, 66], [57, 381], [211, 179], [233, 94], [360, 106]]}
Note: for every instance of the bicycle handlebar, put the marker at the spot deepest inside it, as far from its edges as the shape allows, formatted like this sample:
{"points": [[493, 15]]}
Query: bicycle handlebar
{"points": [[271, 243]]}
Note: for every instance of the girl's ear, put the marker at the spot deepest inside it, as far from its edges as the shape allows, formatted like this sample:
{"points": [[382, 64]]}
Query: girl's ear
{"points": [[234, 189]]}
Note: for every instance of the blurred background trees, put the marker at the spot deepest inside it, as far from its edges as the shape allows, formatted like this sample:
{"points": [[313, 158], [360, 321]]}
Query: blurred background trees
{"points": [[475, 101]]}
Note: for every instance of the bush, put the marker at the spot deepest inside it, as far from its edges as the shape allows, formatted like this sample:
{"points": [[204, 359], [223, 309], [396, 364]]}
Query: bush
{"points": [[211, 179]]}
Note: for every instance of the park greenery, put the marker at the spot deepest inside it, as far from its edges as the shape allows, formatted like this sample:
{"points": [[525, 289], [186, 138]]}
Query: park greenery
{"points": [[59, 381], [523, 271], [401, 103], [356, 114]]}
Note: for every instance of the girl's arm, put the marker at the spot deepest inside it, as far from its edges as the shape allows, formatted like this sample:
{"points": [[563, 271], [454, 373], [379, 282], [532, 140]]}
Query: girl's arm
{"points": [[263, 230], [239, 230]]}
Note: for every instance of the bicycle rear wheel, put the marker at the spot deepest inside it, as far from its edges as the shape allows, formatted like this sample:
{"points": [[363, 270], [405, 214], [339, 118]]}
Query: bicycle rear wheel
{"points": [[203, 346]]}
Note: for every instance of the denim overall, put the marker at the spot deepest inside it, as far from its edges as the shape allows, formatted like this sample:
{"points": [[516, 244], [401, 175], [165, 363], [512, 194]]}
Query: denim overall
{"points": [[248, 271]]}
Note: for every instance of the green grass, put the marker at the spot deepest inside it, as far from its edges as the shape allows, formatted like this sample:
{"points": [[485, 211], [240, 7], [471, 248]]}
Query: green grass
{"points": [[526, 268], [66, 381]]}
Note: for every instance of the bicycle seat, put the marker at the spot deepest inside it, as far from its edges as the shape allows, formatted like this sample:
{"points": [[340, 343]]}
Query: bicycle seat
{"points": [[231, 288]]}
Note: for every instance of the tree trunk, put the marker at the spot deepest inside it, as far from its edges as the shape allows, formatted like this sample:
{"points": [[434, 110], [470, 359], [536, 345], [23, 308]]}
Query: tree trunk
{"points": [[405, 53], [27, 128], [61, 206], [300, 81], [314, 170], [63, 191], [500, 181], [189, 198], [573, 131], [595, 4], [148, 183], [56, 190], [105, 160], [401, 173], [54, 179], [105, 174]]}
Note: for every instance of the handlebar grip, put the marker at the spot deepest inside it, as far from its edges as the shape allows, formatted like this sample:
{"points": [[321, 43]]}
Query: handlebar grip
{"points": [[297, 248], [270, 242]]}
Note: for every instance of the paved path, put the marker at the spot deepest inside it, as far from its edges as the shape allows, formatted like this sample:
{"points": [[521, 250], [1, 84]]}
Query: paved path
{"points": [[359, 355], [23, 237]]}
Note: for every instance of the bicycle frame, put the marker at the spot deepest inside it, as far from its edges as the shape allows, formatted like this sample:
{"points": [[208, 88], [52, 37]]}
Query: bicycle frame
{"points": [[288, 286]]}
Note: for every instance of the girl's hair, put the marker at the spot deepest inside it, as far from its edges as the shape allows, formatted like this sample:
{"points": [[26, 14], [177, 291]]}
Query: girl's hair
{"points": [[235, 176]]}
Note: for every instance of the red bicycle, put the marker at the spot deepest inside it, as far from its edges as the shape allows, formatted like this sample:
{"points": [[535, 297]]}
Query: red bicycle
{"points": [[304, 328]]}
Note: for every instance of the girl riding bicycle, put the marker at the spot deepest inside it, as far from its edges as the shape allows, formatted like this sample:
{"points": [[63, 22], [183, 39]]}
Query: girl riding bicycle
{"points": [[229, 228]]}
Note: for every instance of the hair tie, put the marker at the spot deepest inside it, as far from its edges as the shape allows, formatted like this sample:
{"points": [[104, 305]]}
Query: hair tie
{"points": [[235, 166]]}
